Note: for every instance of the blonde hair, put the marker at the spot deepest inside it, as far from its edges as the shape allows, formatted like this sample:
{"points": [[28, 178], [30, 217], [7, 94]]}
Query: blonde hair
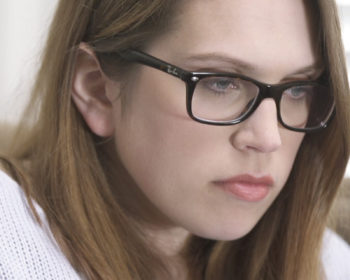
{"points": [[67, 170]]}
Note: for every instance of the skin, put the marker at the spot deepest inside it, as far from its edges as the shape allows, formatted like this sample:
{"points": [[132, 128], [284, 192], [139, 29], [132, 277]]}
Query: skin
{"points": [[170, 161]]}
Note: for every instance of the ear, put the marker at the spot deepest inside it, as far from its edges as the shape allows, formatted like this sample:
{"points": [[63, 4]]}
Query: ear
{"points": [[89, 93]]}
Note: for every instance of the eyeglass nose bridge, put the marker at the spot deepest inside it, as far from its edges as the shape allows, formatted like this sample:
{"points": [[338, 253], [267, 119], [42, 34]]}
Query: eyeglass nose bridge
{"points": [[269, 91]]}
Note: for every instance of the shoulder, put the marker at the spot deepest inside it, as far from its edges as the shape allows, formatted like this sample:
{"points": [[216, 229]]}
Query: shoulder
{"points": [[28, 250], [335, 257]]}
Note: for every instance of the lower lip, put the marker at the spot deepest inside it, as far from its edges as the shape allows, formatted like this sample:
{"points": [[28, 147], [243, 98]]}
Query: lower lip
{"points": [[250, 192]]}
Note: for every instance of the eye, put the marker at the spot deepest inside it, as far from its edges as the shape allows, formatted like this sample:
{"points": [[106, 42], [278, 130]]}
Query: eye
{"points": [[298, 92], [222, 85]]}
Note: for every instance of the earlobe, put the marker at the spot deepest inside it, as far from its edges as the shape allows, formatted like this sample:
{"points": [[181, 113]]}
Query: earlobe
{"points": [[89, 93]]}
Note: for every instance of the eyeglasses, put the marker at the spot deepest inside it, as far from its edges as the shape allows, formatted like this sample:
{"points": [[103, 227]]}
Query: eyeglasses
{"points": [[228, 99]]}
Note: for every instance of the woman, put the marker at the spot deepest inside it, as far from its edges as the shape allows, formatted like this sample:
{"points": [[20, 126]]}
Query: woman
{"points": [[186, 140]]}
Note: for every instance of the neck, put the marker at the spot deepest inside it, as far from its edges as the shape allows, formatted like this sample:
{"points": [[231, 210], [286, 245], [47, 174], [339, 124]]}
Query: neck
{"points": [[166, 239], [169, 244]]}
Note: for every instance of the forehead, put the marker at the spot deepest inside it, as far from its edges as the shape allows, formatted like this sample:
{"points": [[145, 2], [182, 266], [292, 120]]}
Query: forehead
{"points": [[261, 32]]}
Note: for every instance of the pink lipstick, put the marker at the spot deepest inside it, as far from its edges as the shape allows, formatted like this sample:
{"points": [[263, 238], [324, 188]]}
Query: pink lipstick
{"points": [[247, 187]]}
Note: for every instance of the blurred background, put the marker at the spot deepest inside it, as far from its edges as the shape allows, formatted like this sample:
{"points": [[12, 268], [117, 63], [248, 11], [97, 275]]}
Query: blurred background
{"points": [[23, 28]]}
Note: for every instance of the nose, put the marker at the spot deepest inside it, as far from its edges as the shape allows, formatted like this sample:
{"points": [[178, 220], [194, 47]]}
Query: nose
{"points": [[261, 131]]}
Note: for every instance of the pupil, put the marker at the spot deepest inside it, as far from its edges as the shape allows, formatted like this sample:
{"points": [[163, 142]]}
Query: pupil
{"points": [[296, 91], [223, 84]]}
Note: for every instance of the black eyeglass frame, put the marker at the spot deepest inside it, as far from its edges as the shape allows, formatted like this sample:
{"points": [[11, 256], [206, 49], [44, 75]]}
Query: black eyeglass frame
{"points": [[192, 78]]}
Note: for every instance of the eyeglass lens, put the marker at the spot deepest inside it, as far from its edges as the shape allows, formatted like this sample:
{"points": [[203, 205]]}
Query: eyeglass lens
{"points": [[229, 98]]}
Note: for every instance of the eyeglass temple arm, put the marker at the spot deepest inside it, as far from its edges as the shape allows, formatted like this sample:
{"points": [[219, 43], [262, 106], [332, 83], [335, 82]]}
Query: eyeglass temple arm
{"points": [[140, 57]]}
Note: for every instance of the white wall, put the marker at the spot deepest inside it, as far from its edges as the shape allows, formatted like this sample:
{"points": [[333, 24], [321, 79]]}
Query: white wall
{"points": [[23, 25], [344, 12]]}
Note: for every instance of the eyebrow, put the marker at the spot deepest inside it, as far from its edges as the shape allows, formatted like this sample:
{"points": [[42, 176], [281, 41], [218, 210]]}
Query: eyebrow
{"points": [[217, 57], [240, 65], [311, 70]]}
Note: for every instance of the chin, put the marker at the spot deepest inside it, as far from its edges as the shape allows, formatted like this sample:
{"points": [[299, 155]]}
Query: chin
{"points": [[227, 232]]}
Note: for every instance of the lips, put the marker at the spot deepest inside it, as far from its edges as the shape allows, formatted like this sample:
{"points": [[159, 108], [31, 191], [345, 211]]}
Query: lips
{"points": [[247, 187]]}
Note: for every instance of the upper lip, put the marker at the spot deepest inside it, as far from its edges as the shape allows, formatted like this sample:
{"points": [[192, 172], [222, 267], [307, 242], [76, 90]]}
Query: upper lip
{"points": [[247, 178]]}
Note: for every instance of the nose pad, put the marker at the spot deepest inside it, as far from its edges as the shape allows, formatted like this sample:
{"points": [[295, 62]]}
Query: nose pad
{"points": [[261, 131]]}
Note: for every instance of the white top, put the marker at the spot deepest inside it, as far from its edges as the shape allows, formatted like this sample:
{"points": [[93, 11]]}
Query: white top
{"points": [[29, 251]]}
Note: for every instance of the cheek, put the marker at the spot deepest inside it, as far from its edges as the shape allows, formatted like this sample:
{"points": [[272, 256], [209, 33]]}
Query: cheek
{"points": [[155, 139], [291, 142], [157, 130], [159, 149]]}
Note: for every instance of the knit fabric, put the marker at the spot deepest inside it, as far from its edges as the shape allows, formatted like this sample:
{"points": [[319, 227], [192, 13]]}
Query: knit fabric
{"points": [[335, 257], [29, 251]]}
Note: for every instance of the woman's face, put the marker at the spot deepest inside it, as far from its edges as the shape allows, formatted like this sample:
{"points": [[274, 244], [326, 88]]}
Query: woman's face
{"points": [[214, 181]]}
